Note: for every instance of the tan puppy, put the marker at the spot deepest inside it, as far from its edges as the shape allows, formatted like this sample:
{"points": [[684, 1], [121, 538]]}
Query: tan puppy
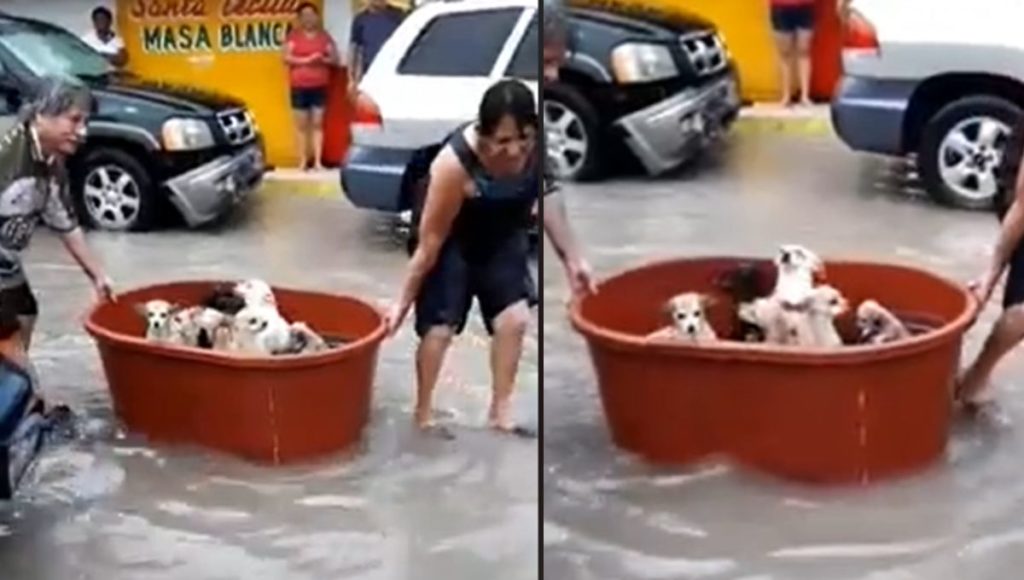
{"points": [[688, 315], [877, 325], [160, 324], [815, 325], [769, 315]]}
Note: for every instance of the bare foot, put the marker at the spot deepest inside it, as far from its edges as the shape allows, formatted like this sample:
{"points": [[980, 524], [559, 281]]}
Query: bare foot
{"points": [[786, 101], [513, 429], [971, 392], [806, 102]]}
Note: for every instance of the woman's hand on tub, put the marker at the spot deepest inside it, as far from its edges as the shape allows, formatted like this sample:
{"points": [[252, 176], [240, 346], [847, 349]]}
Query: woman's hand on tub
{"points": [[982, 288], [396, 316]]}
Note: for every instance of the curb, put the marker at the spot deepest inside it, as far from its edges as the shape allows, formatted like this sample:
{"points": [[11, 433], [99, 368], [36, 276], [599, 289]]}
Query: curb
{"points": [[324, 186]]}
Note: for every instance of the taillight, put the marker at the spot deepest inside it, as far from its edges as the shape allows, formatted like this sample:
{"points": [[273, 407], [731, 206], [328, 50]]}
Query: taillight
{"points": [[860, 33], [367, 113]]}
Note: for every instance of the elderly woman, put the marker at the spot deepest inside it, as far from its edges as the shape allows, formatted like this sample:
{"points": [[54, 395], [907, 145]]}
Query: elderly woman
{"points": [[34, 188]]}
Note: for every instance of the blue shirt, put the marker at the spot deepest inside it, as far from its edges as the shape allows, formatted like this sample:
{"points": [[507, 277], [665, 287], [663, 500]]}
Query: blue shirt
{"points": [[371, 29]]}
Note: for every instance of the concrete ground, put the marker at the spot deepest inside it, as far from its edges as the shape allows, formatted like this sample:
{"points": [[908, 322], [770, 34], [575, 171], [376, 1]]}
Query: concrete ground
{"points": [[112, 507], [608, 517]]}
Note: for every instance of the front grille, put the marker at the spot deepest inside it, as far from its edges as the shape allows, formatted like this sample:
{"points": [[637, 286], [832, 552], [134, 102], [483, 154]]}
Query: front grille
{"points": [[237, 126], [704, 51]]}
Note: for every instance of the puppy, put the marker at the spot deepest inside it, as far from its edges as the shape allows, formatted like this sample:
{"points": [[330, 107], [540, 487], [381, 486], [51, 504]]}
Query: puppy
{"points": [[304, 340], [877, 325], [744, 284], [259, 330], [769, 315], [816, 325], [225, 299], [688, 314], [160, 326], [256, 292], [795, 267]]}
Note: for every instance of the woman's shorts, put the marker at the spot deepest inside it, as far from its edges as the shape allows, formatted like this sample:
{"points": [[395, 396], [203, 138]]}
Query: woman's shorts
{"points": [[497, 282], [18, 301], [307, 99], [789, 19], [1013, 292]]}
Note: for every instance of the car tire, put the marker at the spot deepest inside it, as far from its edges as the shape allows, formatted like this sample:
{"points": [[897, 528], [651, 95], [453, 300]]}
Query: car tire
{"points": [[114, 192], [961, 149], [573, 129]]}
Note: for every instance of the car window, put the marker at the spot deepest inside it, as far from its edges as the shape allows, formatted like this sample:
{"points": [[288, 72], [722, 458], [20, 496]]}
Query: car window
{"points": [[526, 62], [440, 48]]}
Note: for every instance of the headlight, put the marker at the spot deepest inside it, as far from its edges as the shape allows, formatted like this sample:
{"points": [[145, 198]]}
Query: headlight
{"points": [[641, 63], [186, 135], [724, 45]]}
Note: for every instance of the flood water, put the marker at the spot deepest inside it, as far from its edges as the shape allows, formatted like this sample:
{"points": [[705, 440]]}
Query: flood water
{"points": [[111, 506], [609, 516]]}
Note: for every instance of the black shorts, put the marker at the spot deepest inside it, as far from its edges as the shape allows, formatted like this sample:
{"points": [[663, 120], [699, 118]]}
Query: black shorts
{"points": [[1013, 292], [306, 99], [789, 19], [497, 283], [18, 301]]}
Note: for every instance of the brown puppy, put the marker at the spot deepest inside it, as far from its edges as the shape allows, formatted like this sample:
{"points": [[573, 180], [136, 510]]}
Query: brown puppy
{"points": [[878, 325]]}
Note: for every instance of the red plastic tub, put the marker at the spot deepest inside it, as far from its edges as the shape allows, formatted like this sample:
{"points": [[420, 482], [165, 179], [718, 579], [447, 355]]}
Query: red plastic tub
{"points": [[275, 410], [851, 415]]}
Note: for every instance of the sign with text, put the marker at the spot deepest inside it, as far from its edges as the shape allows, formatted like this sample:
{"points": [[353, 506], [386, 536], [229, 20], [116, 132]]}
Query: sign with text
{"points": [[198, 26]]}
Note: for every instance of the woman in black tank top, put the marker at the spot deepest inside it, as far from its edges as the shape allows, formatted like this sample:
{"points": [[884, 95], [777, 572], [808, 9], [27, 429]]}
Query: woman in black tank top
{"points": [[472, 241]]}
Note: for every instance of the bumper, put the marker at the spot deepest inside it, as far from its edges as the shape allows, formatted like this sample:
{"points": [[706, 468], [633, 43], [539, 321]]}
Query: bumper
{"points": [[666, 134], [372, 177], [205, 193], [868, 114]]}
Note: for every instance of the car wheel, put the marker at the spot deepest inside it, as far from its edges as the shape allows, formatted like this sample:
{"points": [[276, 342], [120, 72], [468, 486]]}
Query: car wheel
{"points": [[962, 149], [571, 130], [114, 192]]}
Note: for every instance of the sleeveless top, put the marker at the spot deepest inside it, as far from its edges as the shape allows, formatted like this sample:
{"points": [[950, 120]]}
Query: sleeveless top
{"points": [[308, 76], [500, 208]]}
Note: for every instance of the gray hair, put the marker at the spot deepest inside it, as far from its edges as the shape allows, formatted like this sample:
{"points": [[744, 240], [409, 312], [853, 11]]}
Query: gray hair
{"points": [[556, 27], [53, 97]]}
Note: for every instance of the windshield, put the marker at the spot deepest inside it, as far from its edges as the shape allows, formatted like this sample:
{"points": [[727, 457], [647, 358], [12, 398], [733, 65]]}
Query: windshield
{"points": [[54, 53]]}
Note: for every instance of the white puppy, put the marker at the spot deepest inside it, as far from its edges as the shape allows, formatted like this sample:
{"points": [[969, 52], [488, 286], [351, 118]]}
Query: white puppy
{"points": [[260, 330], [256, 292], [304, 340], [795, 268], [878, 325], [815, 325], [769, 315], [160, 325], [688, 314]]}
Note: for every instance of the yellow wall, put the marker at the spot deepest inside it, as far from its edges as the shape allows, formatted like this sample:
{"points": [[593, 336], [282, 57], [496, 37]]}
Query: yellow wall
{"points": [[237, 54], [747, 29]]}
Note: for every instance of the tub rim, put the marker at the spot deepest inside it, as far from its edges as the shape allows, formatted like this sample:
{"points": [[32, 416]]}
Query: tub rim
{"points": [[279, 362], [763, 353]]}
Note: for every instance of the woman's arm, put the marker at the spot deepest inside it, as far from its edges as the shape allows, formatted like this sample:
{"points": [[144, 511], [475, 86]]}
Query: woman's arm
{"points": [[292, 60], [445, 195], [331, 56]]}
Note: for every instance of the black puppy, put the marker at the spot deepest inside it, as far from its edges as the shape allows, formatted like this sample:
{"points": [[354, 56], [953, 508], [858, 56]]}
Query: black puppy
{"points": [[224, 299], [744, 283]]}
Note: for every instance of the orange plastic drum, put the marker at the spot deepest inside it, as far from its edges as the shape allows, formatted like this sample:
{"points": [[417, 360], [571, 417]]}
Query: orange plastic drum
{"points": [[848, 415], [276, 410]]}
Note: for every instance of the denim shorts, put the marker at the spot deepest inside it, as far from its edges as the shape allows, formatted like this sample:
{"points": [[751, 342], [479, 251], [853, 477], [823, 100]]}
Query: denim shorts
{"points": [[307, 99], [496, 282], [789, 19]]}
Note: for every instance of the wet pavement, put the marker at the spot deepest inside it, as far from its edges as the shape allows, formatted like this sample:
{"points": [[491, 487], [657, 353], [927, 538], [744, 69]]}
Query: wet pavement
{"points": [[609, 517], [112, 507]]}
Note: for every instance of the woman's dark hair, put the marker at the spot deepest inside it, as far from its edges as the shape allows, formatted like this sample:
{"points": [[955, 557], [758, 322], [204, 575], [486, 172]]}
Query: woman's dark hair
{"points": [[102, 11], [508, 97], [305, 5]]}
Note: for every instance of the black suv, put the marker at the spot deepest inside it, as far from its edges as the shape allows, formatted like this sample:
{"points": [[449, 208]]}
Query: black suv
{"points": [[661, 84], [150, 147]]}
